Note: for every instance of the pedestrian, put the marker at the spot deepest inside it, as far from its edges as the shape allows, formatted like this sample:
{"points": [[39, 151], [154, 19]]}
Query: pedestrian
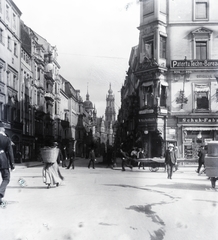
{"points": [[170, 160], [63, 155], [141, 155], [92, 158], [72, 159], [6, 161], [126, 160], [51, 172], [201, 158]]}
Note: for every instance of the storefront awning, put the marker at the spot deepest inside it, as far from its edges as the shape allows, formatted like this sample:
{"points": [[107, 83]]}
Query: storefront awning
{"points": [[200, 128]]}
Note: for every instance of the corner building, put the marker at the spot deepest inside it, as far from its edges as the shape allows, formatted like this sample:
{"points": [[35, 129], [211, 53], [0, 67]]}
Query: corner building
{"points": [[177, 74]]}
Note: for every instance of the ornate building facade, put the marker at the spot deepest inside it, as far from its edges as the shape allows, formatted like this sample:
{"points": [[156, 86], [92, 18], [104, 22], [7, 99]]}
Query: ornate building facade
{"points": [[170, 92]]}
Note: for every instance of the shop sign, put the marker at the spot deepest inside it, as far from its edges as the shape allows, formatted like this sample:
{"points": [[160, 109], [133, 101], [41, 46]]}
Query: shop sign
{"points": [[147, 120], [198, 120], [194, 63]]}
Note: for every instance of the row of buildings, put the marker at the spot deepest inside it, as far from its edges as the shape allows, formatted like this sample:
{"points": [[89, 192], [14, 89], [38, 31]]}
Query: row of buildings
{"points": [[37, 104], [170, 94]]}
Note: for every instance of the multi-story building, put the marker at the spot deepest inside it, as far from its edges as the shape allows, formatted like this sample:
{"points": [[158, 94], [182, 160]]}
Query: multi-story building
{"points": [[10, 92], [176, 75], [192, 60]]}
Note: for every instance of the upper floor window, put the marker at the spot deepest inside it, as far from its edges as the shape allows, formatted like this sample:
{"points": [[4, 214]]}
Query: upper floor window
{"points": [[1, 35], [9, 43], [148, 7], [15, 49], [201, 50], [7, 12], [162, 47], [14, 21], [148, 95], [149, 48], [201, 97], [201, 10], [201, 43], [1, 73]]}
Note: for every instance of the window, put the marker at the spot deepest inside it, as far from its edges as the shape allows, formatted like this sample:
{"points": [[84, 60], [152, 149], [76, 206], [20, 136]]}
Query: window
{"points": [[201, 43], [201, 10], [149, 49], [163, 6], [162, 47], [163, 96], [14, 21], [201, 97], [7, 12], [9, 43], [15, 49], [201, 50], [148, 96], [1, 35], [148, 6], [1, 73]]}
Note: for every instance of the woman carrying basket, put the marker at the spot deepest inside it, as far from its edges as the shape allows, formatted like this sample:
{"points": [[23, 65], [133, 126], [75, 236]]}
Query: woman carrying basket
{"points": [[51, 172]]}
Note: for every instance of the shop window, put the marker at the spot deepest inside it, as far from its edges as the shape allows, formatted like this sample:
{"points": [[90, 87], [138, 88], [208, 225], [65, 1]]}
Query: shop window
{"points": [[201, 97]]}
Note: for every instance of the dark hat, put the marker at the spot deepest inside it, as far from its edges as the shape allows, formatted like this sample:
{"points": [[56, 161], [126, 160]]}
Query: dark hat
{"points": [[2, 125]]}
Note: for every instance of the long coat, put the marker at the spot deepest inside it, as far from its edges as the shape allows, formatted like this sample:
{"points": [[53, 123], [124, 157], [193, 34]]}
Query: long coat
{"points": [[6, 152], [170, 157]]}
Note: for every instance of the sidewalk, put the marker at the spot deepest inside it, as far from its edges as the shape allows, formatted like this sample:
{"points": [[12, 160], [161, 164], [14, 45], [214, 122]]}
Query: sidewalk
{"points": [[79, 162]]}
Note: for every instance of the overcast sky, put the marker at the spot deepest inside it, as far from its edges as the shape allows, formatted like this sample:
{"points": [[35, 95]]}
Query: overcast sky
{"points": [[94, 39]]}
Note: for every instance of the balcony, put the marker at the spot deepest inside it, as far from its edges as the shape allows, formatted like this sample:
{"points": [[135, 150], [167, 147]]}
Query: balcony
{"points": [[49, 96]]}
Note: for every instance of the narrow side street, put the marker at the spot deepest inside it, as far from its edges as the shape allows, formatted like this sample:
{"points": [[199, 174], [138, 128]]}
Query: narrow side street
{"points": [[109, 204]]}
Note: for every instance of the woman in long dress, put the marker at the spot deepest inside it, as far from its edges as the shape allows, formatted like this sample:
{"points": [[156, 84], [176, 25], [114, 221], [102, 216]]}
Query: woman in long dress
{"points": [[51, 173]]}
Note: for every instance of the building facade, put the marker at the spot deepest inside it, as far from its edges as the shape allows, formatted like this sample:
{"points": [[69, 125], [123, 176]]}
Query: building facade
{"points": [[172, 77]]}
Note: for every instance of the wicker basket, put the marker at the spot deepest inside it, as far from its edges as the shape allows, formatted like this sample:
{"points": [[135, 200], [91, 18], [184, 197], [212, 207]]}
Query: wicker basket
{"points": [[49, 154]]}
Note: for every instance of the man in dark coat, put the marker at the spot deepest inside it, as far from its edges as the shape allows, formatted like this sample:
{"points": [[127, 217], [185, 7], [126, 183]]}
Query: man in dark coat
{"points": [[201, 157], [170, 160], [6, 161]]}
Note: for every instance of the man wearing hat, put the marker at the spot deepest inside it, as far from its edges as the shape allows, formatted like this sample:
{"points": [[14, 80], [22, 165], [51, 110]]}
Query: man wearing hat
{"points": [[6, 161], [170, 160]]}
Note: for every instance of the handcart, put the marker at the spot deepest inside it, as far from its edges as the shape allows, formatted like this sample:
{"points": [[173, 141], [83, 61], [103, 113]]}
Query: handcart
{"points": [[211, 162], [152, 163]]}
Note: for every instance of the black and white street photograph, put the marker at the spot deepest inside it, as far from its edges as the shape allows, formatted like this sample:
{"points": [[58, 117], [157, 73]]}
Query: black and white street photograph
{"points": [[108, 120]]}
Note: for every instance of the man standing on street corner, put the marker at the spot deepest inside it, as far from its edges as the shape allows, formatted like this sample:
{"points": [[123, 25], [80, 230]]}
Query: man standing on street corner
{"points": [[6, 161]]}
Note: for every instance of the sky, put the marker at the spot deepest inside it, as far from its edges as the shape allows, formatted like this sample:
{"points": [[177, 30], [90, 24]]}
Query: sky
{"points": [[94, 39]]}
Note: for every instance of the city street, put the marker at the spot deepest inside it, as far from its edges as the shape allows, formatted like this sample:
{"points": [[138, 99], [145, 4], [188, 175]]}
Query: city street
{"points": [[105, 203]]}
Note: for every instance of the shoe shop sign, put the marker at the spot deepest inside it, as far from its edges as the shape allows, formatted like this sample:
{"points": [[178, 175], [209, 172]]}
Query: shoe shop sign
{"points": [[194, 63]]}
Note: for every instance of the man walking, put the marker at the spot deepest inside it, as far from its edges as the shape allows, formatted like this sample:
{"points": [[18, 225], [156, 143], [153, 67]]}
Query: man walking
{"points": [[170, 160], [92, 158], [6, 161]]}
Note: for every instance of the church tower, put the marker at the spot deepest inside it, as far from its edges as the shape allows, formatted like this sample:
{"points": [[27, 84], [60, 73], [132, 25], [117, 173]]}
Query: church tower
{"points": [[110, 113]]}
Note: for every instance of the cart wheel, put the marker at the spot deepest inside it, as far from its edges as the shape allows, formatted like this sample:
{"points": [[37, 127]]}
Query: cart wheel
{"points": [[153, 169], [213, 182]]}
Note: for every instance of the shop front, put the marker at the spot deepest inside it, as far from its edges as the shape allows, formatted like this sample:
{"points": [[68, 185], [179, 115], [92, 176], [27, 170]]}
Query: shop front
{"points": [[153, 134], [197, 132]]}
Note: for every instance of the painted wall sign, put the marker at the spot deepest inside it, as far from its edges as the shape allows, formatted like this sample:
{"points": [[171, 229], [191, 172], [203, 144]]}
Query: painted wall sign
{"points": [[194, 63]]}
